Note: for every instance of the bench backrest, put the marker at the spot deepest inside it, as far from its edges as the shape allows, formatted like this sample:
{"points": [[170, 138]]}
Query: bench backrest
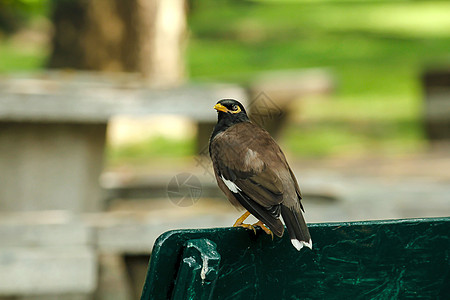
{"points": [[366, 260]]}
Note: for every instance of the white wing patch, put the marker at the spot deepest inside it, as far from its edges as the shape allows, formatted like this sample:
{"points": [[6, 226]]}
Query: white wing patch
{"points": [[230, 185]]}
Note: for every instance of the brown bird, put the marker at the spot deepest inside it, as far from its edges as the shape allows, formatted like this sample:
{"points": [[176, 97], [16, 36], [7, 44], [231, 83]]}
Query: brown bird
{"points": [[253, 173]]}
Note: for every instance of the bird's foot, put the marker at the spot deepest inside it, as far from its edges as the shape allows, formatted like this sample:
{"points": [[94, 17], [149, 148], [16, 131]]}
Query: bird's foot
{"points": [[248, 226], [241, 219], [240, 222], [264, 227]]}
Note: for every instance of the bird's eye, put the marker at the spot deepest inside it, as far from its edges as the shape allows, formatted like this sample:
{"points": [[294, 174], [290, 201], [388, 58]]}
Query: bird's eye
{"points": [[235, 107]]}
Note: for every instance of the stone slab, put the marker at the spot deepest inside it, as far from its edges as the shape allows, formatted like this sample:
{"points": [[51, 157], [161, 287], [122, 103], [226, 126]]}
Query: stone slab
{"points": [[47, 166], [43, 229], [135, 233], [279, 88], [47, 270], [84, 97]]}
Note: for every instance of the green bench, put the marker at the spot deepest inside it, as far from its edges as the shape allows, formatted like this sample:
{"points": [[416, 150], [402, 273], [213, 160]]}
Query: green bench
{"points": [[397, 259]]}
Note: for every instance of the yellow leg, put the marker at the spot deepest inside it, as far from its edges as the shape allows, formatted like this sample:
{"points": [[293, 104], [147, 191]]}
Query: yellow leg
{"points": [[241, 219], [264, 227], [240, 222]]}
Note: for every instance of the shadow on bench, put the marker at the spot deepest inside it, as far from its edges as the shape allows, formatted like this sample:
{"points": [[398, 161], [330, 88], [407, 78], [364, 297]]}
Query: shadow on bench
{"points": [[374, 259]]}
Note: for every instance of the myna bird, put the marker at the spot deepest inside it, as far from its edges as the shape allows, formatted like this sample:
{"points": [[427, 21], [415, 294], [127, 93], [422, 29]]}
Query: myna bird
{"points": [[252, 171]]}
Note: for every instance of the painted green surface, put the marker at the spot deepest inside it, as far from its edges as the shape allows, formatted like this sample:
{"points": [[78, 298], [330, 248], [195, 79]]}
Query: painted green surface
{"points": [[198, 271], [399, 259]]}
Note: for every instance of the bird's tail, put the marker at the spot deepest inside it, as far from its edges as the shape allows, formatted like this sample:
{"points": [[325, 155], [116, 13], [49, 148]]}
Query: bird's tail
{"points": [[296, 225]]}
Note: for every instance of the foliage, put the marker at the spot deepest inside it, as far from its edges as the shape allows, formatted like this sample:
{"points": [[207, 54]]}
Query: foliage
{"points": [[14, 14]]}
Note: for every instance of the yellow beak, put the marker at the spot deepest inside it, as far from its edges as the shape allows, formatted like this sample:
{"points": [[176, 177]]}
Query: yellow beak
{"points": [[220, 107]]}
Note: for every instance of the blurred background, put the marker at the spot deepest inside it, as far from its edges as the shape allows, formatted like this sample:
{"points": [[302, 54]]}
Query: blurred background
{"points": [[106, 111]]}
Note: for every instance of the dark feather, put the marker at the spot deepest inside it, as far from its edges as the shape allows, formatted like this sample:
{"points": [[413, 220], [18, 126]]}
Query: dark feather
{"points": [[296, 224]]}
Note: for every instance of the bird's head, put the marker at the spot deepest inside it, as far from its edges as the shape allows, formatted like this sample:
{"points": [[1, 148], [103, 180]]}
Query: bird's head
{"points": [[229, 112], [232, 110]]}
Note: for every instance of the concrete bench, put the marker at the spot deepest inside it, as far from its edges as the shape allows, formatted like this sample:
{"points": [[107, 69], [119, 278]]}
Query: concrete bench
{"points": [[53, 125], [62, 255], [273, 93], [48, 253]]}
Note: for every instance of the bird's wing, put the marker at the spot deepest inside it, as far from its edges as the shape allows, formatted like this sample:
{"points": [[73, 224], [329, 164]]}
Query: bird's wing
{"points": [[241, 158]]}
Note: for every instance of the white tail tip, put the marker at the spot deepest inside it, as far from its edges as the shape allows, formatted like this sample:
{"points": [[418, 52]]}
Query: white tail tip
{"points": [[299, 244]]}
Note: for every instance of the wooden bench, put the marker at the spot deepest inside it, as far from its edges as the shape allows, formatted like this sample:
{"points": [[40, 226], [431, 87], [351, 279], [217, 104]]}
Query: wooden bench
{"points": [[360, 260]]}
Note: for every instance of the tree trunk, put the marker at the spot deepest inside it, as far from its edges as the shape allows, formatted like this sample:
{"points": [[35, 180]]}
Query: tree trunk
{"points": [[145, 36]]}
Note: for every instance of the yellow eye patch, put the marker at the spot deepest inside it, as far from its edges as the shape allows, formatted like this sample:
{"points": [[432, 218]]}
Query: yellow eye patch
{"points": [[238, 110]]}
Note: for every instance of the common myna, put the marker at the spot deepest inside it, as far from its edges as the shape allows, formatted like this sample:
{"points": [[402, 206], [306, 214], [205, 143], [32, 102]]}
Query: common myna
{"points": [[252, 171]]}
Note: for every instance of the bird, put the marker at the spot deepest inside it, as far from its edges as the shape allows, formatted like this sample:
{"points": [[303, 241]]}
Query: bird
{"points": [[252, 171]]}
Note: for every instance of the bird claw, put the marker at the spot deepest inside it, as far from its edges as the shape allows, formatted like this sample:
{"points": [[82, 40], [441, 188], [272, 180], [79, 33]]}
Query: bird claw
{"points": [[248, 226], [264, 227], [239, 223]]}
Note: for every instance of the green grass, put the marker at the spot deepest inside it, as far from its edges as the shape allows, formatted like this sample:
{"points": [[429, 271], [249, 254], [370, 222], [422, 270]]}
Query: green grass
{"points": [[159, 147], [368, 55], [16, 58]]}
